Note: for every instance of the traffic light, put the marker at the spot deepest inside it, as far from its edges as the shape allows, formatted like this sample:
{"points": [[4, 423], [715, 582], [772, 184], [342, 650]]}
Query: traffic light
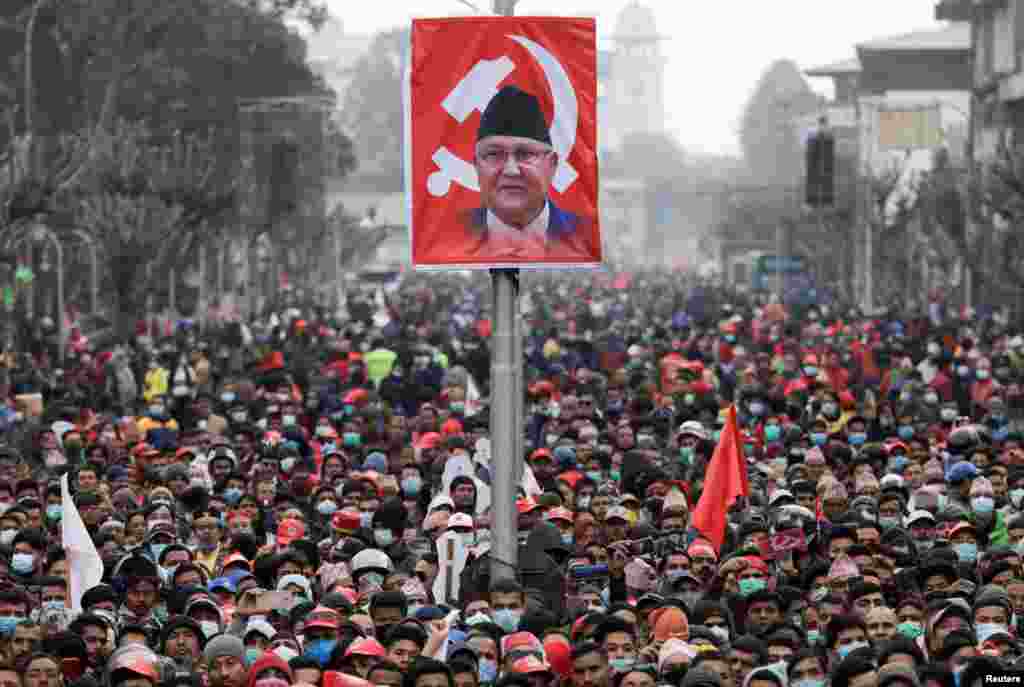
{"points": [[821, 159]]}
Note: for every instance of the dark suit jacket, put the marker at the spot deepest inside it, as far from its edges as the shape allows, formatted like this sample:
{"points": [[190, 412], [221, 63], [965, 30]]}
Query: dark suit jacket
{"points": [[570, 237]]}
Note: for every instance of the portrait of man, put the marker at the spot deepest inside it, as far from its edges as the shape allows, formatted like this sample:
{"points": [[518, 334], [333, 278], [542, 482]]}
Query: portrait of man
{"points": [[515, 164]]}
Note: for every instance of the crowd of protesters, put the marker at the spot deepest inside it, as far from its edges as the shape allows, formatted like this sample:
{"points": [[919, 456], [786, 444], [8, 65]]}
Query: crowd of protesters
{"points": [[267, 496]]}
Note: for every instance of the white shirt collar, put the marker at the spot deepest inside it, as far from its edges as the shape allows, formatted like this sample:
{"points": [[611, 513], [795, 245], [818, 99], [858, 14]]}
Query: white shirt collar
{"points": [[538, 228]]}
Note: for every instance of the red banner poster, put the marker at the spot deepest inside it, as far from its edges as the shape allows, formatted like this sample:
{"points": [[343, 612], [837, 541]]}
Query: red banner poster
{"points": [[501, 143]]}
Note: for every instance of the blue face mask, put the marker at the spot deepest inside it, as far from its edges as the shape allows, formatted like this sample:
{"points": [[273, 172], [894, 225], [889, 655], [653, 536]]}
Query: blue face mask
{"points": [[352, 440], [772, 433], [809, 682], [614, 475], [251, 655], [568, 539], [813, 636], [488, 670], [411, 486], [22, 563], [7, 625], [54, 512], [232, 495], [594, 475], [967, 552], [819, 438], [507, 619], [320, 650], [906, 432], [858, 439], [326, 508], [757, 409]]}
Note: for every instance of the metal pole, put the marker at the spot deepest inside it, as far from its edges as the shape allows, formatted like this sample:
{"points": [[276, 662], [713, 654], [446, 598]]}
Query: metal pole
{"points": [[62, 332], [202, 307], [969, 206], [94, 278], [506, 427], [778, 262]]}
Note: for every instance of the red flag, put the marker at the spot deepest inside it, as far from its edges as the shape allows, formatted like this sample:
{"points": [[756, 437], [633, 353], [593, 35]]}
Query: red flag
{"points": [[726, 479]]}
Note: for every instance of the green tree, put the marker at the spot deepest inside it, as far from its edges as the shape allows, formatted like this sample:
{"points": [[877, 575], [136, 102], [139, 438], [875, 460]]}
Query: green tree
{"points": [[372, 109]]}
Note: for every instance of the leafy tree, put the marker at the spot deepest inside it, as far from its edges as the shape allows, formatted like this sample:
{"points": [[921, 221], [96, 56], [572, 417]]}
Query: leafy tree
{"points": [[372, 109]]}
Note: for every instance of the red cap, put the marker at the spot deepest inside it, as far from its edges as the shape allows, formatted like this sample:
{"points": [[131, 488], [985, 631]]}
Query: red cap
{"points": [[429, 440], [346, 519], [322, 616], [525, 505]]}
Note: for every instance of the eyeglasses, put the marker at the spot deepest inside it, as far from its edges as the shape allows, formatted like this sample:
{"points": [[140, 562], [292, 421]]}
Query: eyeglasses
{"points": [[497, 158]]}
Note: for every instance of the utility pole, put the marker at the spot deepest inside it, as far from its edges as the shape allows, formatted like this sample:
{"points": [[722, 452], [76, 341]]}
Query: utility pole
{"points": [[506, 408]]}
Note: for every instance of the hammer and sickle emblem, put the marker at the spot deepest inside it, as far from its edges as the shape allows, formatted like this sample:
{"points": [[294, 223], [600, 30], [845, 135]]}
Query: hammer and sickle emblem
{"points": [[476, 89]]}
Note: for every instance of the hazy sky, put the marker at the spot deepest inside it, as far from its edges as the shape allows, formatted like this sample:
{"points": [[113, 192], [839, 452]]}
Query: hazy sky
{"points": [[715, 49]]}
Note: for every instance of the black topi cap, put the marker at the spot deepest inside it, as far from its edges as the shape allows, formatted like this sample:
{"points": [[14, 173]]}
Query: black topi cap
{"points": [[513, 112]]}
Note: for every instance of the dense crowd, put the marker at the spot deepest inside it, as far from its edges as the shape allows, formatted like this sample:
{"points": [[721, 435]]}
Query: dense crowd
{"points": [[266, 496]]}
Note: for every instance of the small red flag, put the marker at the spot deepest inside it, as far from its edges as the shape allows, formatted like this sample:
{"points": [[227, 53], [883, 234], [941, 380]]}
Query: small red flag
{"points": [[726, 479]]}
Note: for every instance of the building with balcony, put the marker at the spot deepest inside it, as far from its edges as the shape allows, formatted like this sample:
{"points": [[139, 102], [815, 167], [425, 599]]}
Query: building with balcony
{"points": [[997, 74]]}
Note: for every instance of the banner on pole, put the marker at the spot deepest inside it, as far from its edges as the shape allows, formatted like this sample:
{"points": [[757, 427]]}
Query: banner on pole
{"points": [[501, 143]]}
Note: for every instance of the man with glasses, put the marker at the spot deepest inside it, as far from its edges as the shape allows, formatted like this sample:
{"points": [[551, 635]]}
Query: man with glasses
{"points": [[515, 165]]}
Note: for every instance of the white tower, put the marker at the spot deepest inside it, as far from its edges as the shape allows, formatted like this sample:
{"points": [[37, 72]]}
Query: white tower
{"points": [[635, 92]]}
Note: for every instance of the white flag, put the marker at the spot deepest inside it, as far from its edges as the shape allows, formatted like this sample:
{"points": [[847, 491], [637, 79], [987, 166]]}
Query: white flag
{"points": [[85, 567]]}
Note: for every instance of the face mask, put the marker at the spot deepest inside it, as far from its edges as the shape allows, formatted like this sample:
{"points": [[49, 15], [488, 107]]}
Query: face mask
{"points": [[352, 440], [813, 636], [848, 649], [858, 439], [757, 409], [232, 495], [830, 409], [488, 670], [889, 522], [622, 665], [967, 553], [288, 464], [567, 540], [985, 630], [209, 628], [8, 624], [507, 619], [365, 520], [931, 399], [239, 416], [772, 433], [327, 508], [411, 486], [819, 438], [251, 654], [468, 539], [751, 585], [947, 414], [594, 475], [910, 629], [383, 537], [614, 475], [320, 650], [1016, 497], [7, 536], [809, 682], [721, 632], [906, 432], [811, 371], [983, 505], [982, 374], [54, 512], [22, 563]]}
